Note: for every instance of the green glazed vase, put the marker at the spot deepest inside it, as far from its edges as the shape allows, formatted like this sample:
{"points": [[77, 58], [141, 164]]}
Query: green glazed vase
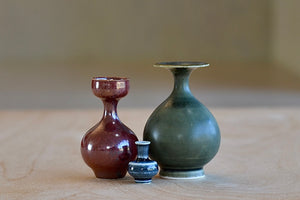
{"points": [[184, 134]]}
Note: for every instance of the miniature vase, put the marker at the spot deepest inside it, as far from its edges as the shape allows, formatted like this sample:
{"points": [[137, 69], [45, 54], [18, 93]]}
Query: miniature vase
{"points": [[184, 134], [143, 169], [109, 146]]}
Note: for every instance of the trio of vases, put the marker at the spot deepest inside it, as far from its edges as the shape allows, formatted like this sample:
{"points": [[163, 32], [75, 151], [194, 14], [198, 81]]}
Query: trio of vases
{"points": [[183, 135]]}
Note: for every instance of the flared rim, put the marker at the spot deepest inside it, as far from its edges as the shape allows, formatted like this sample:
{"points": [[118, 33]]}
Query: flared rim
{"points": [[142, 142], [181, 64], [109, 78]]}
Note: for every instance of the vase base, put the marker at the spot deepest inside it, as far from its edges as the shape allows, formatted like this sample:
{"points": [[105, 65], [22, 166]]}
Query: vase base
{"points": [[143, 180], [181, 174], [110, 174]]}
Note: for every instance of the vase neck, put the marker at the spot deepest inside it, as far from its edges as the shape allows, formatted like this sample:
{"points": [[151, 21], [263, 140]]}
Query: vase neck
{"points": [[143, 151], [110, 108], [181, 80]]}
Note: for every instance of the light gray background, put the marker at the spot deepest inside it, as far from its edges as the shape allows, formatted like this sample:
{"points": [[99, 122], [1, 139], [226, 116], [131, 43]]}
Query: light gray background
{"points": [[50, 49]]}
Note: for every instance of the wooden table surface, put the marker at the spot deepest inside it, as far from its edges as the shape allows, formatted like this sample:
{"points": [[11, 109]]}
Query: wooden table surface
{"points": [[258, 158]]}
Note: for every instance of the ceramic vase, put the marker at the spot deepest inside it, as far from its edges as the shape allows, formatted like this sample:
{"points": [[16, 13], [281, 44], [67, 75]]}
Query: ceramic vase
{"points": [[143, 169], [109, 146], [184, 134]]}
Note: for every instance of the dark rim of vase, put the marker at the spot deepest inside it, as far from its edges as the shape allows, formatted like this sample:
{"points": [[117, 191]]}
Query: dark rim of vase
{"points": [[181, 64], [110, 78]]}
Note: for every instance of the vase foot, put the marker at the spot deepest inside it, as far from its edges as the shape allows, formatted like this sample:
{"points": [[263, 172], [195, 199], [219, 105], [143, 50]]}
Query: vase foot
{"points": [[181, 174], [109, 174], [143, 180]]}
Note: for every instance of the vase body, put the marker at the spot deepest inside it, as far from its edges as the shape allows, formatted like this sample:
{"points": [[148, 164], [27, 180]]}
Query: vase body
{"points": [[109, 146], [143, 169], [184, 135]]}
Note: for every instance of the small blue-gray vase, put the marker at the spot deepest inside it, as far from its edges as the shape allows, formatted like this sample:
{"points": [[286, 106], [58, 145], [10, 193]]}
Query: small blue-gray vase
{"points": [[142, 169]]}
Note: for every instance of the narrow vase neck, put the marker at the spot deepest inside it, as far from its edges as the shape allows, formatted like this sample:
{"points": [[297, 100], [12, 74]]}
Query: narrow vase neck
{"points": [[143, 151], [181, 80], [110, 108]]}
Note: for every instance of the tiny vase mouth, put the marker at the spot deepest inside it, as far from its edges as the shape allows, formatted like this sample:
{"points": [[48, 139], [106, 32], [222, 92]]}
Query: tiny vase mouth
{"points": [[142, 142], [181, 64]]}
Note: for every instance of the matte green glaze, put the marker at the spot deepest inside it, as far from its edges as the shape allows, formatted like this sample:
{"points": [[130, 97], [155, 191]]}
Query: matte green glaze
{"points": [[184, 135]]}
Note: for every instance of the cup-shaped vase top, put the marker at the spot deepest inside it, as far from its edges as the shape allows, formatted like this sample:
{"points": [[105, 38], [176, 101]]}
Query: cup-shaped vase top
{"points": [[143, 150], [110, 87], [181, 64]]}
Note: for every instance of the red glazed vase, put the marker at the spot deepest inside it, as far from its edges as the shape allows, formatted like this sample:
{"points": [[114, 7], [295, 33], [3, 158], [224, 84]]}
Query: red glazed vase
{"points": [[109, 146]]}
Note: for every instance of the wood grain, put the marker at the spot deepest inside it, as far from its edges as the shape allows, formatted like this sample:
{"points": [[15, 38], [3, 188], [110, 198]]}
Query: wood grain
{"points": [[258, 157]]}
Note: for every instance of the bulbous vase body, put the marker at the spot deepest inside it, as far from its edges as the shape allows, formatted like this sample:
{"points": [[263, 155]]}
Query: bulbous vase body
{"points": [[184, 135], [109, 146]]}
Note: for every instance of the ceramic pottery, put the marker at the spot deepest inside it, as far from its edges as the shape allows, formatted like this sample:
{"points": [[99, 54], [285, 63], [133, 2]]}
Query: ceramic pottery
{"points": [[143, 169], [184, 134], [109, 146]]}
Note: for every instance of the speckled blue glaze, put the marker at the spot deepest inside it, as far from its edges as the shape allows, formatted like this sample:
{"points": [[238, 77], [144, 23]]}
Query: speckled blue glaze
{"points": [[143, 169]]}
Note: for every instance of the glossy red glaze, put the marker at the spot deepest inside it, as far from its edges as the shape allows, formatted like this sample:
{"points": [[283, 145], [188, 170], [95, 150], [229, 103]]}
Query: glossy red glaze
{"points": [[109, 146]]}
